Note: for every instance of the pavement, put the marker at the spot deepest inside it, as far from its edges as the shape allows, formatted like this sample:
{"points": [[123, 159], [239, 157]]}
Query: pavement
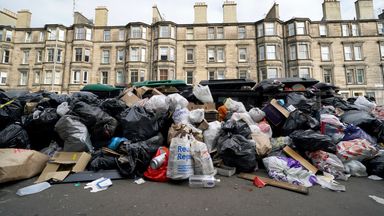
{"points": [[232, 196]]}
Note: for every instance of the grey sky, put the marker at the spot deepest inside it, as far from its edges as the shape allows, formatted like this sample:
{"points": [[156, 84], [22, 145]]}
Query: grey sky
{"points": [[122, 12]]}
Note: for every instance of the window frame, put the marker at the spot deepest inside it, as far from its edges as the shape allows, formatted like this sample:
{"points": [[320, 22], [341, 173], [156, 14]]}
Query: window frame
{"points": [[119, 76], [50, 54], [269, 69], [76, 77], [136, 32], [189, 34], [325, 56], [300, 52], [78, 55], [189, 78], [25, 59], [245, 54], [23, 77], [304, 68], [328, 72], [3, 77], [267, 30], [107, 35], [120, 55], [323, 31], [241, 32], [299, 28], [192, 54], [105, 56], [36, 77], [104, 77], [268, 52]]}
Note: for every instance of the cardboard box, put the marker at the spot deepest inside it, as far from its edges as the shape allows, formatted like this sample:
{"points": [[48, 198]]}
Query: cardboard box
{"points": [[205, 106], [289, 151], [275, 113], [63, 163], [140, 92], [129, 98], [203, 125]]}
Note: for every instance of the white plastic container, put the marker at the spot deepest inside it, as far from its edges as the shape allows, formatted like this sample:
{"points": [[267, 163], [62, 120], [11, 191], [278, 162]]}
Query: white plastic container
{"points": [[203, 181], [36, 188]]}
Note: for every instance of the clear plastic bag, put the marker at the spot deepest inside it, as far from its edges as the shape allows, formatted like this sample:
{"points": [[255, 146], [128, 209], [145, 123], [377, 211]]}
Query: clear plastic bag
{"points": [[176, 101], [203, 93], [234, 106], [157, 104], [196, 116], [211, 135], [256, 114]]}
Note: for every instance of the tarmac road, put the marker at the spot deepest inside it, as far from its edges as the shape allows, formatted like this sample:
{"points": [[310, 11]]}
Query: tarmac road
{"points": [[232, 196]]}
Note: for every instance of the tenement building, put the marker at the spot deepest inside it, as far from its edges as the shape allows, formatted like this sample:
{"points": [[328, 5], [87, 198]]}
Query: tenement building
{"points": [[346, 53]]}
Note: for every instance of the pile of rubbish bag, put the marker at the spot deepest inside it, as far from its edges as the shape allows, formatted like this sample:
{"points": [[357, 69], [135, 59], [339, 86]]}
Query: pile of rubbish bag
{"points": [[144, 133]]}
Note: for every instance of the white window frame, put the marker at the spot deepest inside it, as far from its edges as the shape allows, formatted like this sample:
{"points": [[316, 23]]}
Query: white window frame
{"points": [[120, 55], [189, 34], [85, 77], [189, 52], [220, 33], [36, 77], [270, 29], [173, 32], [330, 75], [8, 36], [76, 77], [48, 79], [188, 76], [121, 34], [144, 32], [41, 36], [380, 28], [270, 75], [242, 32], [57, 77], [325, 53], [25, 59], [300, 28], [302, 69], [87, 55], [119, 76], [345, 30], [355, 29], [291, 29], [351, 72], [107, 35], [142, 75], [362, 76], [105, 57], [39, 56], [61, 35], [143, 54], [134, 54], [171, 54], [164, 32], [323, 30], [243, 54], [163, 52], [161, 77], [78, 58], [211, 33], [220, 74], [136, 32], [220, 54], [88, 34], [211, 55], [292, 52], [80, 33], [271, 52], [6, 56], [59, 55], [261, 53], [50, 54], [28, 37], [23, 79], [104, 77], [243, 73], [3, 78], [260, 30], [381, 46], [303, 51]]}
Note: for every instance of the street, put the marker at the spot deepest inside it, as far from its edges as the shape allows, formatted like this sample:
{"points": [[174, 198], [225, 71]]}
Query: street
{"points": [[232, 196]]}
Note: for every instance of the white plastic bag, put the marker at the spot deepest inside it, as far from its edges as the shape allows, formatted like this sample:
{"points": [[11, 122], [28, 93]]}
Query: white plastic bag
{"points": [[355, 168], [203, 164], [203, 93], [62, 109], [180, 162], [256, 114], [329, 163], [196, 116], [157, 104], [181, 116], [243, 116], [234, 106], [176, 101], [288, 170], [211, 135], [364, 104]]}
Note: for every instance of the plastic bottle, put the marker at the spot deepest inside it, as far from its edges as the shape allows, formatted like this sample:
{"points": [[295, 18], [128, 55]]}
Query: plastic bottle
{"points": [[206, 181], [36, 188]]}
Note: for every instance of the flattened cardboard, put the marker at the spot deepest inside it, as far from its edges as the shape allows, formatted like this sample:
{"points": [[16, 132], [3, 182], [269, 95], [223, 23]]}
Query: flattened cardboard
{"points": [[281, 109], [142, 90], [129, 98], [63, 163], [203, 125], [205, 106], [289, 151]]}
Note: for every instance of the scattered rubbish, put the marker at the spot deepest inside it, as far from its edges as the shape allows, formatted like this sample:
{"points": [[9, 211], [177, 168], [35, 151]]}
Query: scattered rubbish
{"points": [[204, 181], [32, 189], [226, 170], [265, 181], [375, 178], [139, 181], [377, 199], [99, 184], [329, 183]]}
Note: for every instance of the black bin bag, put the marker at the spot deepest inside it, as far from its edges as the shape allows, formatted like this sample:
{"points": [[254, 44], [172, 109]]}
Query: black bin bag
{"points": [[14, 136], [137, 124], [237, 151], [375, 166], [311, 141]]}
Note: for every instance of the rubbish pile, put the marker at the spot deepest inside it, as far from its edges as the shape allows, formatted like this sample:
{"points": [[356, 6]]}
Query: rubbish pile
{"points": [[146, 134]]}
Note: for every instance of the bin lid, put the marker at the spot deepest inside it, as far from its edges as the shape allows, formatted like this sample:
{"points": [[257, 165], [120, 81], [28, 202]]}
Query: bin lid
{"points": [[99, 88]]}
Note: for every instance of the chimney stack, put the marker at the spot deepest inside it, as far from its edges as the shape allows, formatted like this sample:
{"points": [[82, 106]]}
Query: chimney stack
{"points": [[229, 12], [364, 9], [23, 19], [101, 16], [200, 12], [331, 10]]}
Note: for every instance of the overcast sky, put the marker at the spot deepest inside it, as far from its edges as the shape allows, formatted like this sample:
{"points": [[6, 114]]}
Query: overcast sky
{"points": [[122, 12]]}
